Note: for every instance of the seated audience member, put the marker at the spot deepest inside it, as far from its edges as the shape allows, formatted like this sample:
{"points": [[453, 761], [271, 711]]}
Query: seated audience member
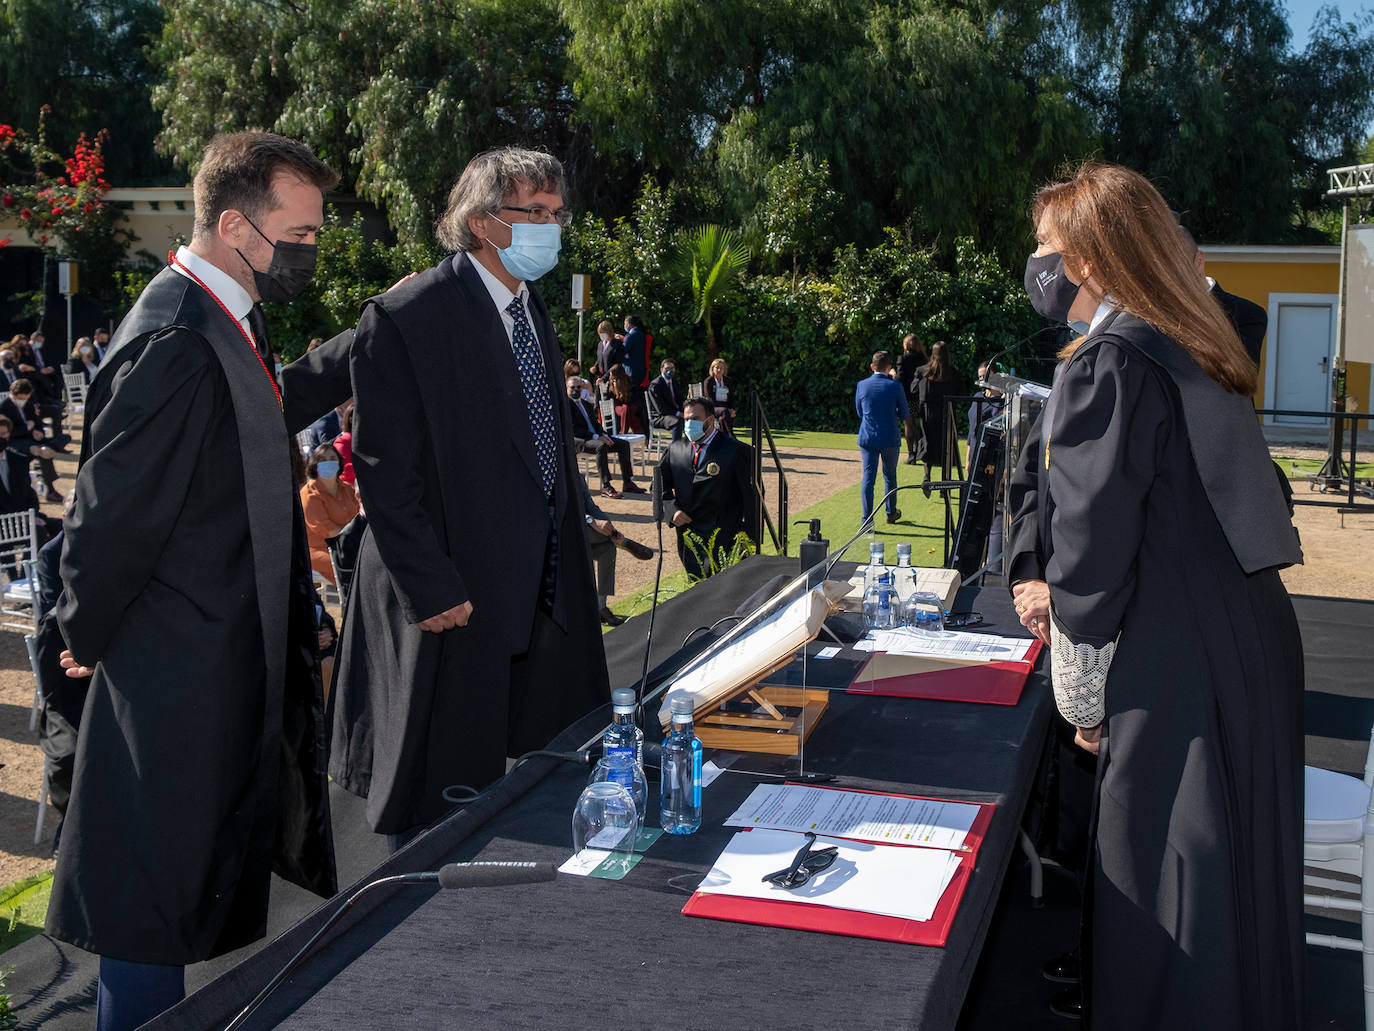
{"points": [[16, 488], [329, 505], [719, 389], [101, 338], [573, 368], [27, 437], [324, 429], [668, 397], [83, 359], [343, 443], [47, 384], [588, 438], [7, 359], [627, 417], [326, 642]]}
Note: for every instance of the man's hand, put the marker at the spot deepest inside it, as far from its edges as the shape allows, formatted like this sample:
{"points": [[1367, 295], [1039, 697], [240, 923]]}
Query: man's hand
{"points": [[604, 527], [456, 616], [73, 668], [324, 638], [681, 518]]}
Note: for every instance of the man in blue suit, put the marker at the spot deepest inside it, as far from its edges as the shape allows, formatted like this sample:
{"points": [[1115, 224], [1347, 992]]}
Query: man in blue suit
{"points": [[881, 404]]}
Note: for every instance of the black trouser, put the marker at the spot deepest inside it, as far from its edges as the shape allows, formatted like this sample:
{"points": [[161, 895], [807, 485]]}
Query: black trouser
{"points": [[602, 447]]}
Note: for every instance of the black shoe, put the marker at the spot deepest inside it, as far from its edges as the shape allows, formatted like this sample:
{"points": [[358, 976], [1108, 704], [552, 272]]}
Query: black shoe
{"points": [[911, 459], [609, 618], [1063, 969], [894, 515], [1068, 1003]]}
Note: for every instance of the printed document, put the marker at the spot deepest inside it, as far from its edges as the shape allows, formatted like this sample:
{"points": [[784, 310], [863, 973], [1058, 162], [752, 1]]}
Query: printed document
{"points": [[884, 819], [946, 644], [882, 879]]}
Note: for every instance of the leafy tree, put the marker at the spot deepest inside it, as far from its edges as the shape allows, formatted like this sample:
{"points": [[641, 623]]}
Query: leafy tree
{"points": [[398, 94], [710, 260], [796, 216], [87, 62]]}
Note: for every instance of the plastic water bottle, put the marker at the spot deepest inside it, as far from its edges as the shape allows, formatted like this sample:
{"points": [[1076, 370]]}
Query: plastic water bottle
{"points": [[923, 611], [679, 800], [623, 733], [903, 577]]}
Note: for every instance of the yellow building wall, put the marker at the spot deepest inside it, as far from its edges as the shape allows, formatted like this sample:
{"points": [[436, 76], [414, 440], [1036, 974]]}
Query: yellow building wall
{"points": [[1256, 280]]}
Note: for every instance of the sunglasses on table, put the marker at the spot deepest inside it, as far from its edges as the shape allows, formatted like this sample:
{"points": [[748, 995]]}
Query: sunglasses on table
{"points": [[804, 865]]}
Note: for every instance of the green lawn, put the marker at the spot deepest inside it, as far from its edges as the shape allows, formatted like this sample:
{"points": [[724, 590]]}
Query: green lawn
{"points": [[1300, 467]]}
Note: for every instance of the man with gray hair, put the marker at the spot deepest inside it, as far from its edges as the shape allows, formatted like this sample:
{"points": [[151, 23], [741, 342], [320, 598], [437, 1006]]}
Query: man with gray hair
{"points": [[471, 630]]}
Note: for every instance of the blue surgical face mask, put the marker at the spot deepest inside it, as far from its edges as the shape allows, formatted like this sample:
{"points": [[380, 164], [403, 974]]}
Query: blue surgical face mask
{"points": [[695, 429], [533, 249], [327, 470], [667, 373]]}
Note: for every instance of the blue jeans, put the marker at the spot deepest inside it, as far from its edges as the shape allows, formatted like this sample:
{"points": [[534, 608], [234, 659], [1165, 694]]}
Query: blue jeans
{"points": [[871, 456], [131, 994]]}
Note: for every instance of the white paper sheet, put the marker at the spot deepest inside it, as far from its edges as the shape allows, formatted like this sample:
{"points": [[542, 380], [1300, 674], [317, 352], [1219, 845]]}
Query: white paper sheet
{"points": [[883, 879], [948, 644], [854, 814]]}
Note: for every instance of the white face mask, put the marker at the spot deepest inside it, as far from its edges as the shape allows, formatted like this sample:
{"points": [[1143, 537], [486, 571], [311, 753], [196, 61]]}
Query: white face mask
{"points": [[605, 337]]}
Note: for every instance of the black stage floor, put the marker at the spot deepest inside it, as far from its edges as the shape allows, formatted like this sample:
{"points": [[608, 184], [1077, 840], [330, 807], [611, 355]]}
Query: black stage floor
{"points": [[53, 985]]}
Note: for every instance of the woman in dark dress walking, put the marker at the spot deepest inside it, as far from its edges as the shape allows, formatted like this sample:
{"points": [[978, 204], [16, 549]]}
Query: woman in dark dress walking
{"points": [[1159, 530], [937, 381]]}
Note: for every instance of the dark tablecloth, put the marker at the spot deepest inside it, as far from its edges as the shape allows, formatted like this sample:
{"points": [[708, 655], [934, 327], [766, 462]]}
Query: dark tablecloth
{"points": [[589, 952]]}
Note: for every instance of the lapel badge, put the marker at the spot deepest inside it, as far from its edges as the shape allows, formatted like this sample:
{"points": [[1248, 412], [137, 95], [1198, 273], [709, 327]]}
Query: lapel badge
{"points": [[712, 469]]}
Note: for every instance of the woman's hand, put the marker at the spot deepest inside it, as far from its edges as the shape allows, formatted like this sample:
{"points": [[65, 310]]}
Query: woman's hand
{"points": [[1088, 738], [1032, 598]]}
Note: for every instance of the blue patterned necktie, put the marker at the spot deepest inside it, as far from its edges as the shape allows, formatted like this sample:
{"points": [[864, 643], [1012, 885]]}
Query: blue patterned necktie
{"points": [[531, 365]]}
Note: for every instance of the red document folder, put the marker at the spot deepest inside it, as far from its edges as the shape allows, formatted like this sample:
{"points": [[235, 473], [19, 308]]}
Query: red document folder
{"points": [[991, 683], [801, 916]]}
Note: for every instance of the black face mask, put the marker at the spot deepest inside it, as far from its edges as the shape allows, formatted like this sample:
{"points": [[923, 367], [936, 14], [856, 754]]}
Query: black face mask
{"points": [[289, 273], [1051, 292]]}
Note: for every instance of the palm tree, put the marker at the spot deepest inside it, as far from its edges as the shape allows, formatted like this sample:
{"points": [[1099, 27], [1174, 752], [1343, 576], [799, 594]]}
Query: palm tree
{"points": [[710, 259]]}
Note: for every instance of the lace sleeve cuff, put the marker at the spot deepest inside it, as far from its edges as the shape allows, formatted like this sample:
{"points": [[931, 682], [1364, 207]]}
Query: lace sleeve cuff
{"points": [[1079, 672]]}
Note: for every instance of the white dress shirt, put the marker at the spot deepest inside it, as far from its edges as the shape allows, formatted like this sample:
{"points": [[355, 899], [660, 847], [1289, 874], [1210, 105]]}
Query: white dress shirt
{"points": [[220, 283], [501, 297]]}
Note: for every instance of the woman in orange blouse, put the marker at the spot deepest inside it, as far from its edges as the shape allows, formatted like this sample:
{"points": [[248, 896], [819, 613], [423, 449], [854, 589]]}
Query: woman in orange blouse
{"points": [[329, 504]]}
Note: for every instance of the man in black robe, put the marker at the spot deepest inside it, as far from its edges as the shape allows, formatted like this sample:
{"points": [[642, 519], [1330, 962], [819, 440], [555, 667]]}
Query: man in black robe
{"points": [[471, 633], [705, 479], [187, 601]]}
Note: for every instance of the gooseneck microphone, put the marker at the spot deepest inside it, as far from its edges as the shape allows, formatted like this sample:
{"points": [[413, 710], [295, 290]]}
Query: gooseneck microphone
{"points": [[452, 875]]}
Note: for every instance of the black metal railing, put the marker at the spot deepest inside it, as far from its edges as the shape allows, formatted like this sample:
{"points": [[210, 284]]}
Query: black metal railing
{"points": [[1334, 476], [760, 431]]}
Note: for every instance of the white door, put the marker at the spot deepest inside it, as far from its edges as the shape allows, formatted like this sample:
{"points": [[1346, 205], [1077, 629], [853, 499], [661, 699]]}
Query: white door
{"points": [[1302, 361]]}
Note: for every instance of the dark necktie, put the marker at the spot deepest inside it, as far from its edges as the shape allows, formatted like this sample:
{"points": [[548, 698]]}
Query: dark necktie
{"points": [[257, 322], [531, 366]]}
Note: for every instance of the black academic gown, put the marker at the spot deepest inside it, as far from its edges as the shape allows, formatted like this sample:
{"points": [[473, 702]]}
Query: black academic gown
{"points": [[1159, 524], [930, 409], [717, 493], [200, 759], [456, 512]]}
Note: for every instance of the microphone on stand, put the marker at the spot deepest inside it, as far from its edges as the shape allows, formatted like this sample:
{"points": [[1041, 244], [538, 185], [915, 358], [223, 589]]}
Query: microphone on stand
{"points": [[451, 875]]}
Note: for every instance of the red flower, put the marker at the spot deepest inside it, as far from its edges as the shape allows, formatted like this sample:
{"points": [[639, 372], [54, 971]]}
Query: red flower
{"points": [[4, 243], [26, 214], [8, 201], [87, 208]]}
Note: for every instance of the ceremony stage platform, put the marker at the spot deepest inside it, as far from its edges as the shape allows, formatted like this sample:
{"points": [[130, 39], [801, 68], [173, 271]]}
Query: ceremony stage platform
{"points": [[561, 954]]}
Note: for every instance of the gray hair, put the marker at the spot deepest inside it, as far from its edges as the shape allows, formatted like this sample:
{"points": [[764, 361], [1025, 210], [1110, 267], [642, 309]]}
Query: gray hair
{"points": [[489, 179]]}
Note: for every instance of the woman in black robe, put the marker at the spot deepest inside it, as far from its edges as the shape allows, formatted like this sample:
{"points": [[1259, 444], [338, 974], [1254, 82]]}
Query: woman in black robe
{"points": [[937, 381], [1158, 532]]}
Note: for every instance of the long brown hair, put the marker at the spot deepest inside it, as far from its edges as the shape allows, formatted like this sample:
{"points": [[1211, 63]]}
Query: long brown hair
{"points": [[1112, 221], [937, 369]]}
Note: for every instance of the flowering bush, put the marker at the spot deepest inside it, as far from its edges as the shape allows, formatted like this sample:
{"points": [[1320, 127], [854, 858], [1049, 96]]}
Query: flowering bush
{"points": [[60, 201]]}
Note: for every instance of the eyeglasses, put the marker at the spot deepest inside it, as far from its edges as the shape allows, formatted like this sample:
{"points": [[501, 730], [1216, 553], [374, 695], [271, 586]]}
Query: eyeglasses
{"points": [[804, 865], [541, 215]]}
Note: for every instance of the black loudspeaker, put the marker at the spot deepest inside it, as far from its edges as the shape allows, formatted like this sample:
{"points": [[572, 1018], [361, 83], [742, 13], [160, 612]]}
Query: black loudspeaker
{"points": [[981, 494]]}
